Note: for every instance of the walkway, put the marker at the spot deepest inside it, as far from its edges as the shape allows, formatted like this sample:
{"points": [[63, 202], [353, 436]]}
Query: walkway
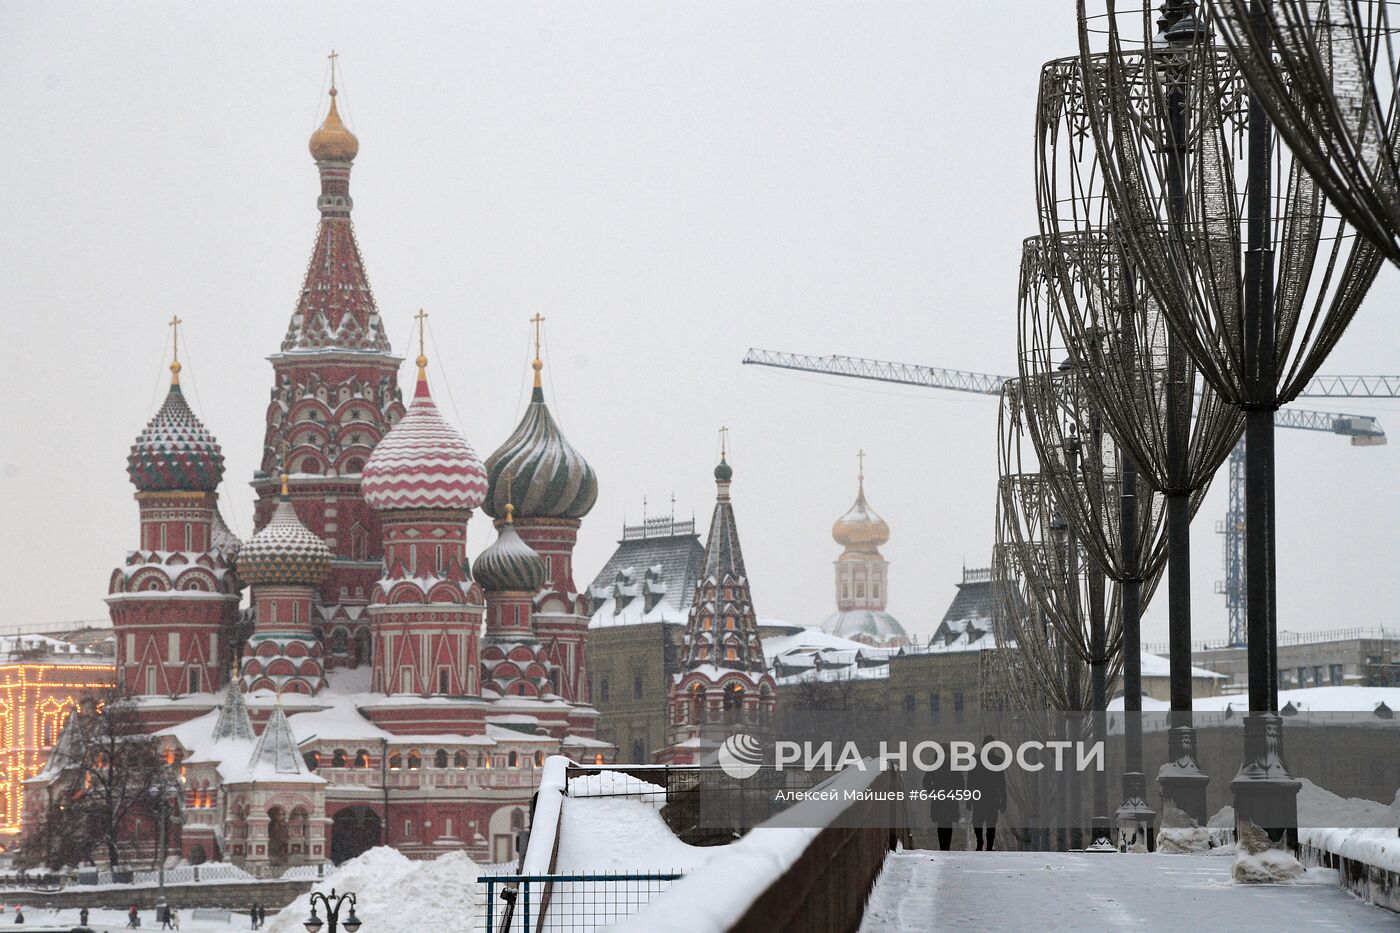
{"points": [[1051, 892]]}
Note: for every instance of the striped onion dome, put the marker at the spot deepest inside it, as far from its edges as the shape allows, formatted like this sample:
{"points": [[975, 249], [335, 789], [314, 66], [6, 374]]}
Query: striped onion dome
{"points": [[175, 452], [284, 552], [509, 564], [538, 471], [423, 462]]}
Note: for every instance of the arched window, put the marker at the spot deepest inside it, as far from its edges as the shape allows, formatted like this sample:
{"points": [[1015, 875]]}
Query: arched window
{"points": [[340, 642], [539, 759], [338, 758], [395, 761], [415, 760], [603, 690], [513, 760], [733, 700], [459, 760], [313, 761], [440, 759], [362, 759], [697, 702], [637, 687]]}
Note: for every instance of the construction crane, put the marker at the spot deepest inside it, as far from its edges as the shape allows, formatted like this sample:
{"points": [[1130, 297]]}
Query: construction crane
{"points": [[1363, 430]]}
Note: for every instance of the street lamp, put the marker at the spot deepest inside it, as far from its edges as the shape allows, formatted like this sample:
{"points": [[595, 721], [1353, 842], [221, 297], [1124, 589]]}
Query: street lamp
{"points": [[332, 904], [161, 792]]}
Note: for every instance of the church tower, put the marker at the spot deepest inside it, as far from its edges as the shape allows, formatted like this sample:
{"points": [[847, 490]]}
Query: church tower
{"points": [[335, 395], [425, 479], [284, 563], [174, 603], [724, 685], [551, 488], [862, 577]]}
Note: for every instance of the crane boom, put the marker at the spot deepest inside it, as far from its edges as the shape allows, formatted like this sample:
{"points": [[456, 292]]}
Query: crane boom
{"points": [[857, 367]]}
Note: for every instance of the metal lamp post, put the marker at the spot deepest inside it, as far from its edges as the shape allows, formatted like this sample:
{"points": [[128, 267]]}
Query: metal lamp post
{"points": [[332, 905], [161, 792]]}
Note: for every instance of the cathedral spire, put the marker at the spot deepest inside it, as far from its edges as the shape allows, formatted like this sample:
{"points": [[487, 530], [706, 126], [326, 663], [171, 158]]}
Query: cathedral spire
{"points": [[336, 309]]}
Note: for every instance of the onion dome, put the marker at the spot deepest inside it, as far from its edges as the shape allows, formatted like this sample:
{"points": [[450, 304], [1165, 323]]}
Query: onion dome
{"points": [[423, 462], [860, 531], [332, 142], [285, 551], [724, 472], [545, 476], [509, 565], [175, 452]]}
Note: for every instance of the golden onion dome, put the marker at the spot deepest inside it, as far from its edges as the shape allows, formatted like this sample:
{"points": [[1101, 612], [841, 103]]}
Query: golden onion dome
{"points": [[332, 142], [860, 531]]}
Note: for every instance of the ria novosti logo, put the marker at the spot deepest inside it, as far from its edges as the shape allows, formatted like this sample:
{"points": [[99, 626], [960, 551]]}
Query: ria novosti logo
{"points": [[740, 755]]}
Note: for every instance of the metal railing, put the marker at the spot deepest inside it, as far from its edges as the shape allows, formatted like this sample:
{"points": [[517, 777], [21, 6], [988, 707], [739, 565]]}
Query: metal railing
{"points": [[577, 903]]}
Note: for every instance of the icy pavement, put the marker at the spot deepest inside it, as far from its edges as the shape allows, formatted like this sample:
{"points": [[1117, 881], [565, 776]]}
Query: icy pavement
{"points": [[1057, 891]]}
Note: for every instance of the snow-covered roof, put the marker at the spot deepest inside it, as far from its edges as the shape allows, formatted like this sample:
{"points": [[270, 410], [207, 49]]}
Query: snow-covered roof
{"points": [[1154, 665], [36, 647], [648, 579], [1304, 699]]}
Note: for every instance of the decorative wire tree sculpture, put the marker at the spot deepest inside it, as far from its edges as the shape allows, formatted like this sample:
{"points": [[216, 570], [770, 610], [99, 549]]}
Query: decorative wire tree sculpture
{"points": [[1079, 300], [1076, 545], [1327, 73], [1171, 107]]}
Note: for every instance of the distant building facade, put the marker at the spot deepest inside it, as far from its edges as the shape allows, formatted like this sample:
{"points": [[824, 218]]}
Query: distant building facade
{"points": [[41, 679]]}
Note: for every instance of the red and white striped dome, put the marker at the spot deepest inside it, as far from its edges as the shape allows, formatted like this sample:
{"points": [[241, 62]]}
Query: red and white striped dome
{"points": [[423, 463]]}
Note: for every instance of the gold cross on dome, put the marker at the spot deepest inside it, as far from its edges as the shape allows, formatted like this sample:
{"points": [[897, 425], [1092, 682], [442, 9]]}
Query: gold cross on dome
{"points": [[537, 320], [723, 443], [421, 316], [860, 456], [175, 323], [333, 56]]}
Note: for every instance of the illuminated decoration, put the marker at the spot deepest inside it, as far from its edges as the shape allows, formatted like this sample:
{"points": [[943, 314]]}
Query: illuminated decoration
{"points": [[36, 696]]}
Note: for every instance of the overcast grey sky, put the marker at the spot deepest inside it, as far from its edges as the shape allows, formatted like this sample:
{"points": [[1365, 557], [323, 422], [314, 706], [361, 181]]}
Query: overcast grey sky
{"points": [[669, 183]]}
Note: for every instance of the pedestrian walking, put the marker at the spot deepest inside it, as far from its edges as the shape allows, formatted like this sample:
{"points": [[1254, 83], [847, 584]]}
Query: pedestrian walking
{"points": [[163, 915], [987, 787], [942, 807], [174, 919], [19, 915], [83, 916]]}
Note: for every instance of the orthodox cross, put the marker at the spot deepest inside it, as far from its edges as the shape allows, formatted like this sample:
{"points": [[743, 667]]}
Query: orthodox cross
{"points": [[537, 320], [723, 443], [333, 56], [860, 456], [421, 316], [175, 323]]}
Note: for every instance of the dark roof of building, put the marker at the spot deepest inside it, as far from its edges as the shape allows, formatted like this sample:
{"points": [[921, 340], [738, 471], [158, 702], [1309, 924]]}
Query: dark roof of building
{"points": [[973, 601], [650, 577]]}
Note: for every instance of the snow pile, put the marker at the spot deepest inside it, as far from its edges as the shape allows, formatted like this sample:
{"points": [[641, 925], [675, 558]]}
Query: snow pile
{"points": [[1371, 837], [1259, 861], [1179, 833], [617, 784], [394, 894], [619, 834]]}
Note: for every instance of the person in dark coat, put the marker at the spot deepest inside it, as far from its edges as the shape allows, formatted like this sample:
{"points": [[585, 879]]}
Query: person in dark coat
{"points": [[133, 917], [943, 813], [82, 916], [988, 790], [19, 915]]}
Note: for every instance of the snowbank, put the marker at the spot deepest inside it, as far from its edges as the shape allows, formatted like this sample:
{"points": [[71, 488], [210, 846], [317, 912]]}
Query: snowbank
{"points": [[1376, 844], [397, 895], [617, 784], [619, 834]]}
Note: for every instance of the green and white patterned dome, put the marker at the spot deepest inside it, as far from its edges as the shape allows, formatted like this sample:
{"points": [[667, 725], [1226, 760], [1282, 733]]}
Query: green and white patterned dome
{"points": [[284, 552]]}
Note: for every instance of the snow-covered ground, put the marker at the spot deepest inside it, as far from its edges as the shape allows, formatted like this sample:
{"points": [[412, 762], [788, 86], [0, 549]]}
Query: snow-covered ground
{"points": [[1071, 892], [115, 920]]}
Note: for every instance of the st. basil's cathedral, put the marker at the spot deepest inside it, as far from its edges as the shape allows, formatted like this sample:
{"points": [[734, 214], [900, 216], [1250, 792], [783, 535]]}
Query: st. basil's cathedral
{"points": [[378, 689]]}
